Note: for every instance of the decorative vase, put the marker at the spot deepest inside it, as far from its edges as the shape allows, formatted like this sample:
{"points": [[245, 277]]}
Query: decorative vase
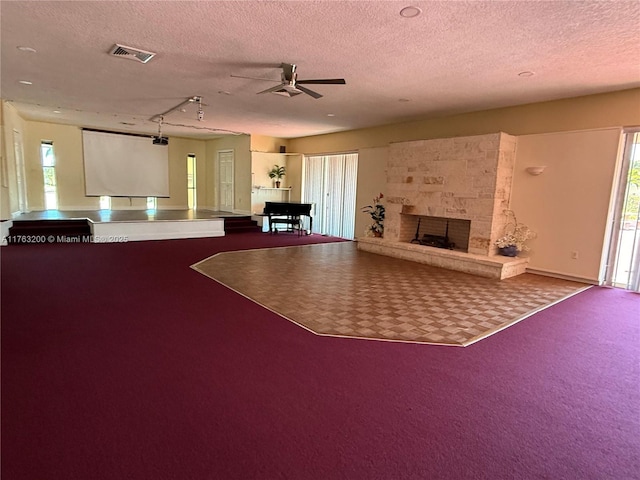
{"points": [[510, 251], [277, 184], [377, 234]]}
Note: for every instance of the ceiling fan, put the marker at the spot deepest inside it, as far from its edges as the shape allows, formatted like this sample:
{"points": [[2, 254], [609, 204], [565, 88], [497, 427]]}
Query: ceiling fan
{"points": [[290, 86]]}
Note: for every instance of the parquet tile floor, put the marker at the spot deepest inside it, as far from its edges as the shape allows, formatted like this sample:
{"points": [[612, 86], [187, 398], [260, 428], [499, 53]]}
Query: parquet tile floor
{"points": [[334, 289]]}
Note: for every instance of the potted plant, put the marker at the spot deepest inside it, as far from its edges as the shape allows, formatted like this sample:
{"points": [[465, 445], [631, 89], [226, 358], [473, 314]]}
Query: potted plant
{"points": [[277, 172], [376, 211], [516, 234]]}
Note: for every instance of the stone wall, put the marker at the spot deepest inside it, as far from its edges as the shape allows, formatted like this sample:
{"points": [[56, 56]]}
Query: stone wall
{"points": [[467, 178]]}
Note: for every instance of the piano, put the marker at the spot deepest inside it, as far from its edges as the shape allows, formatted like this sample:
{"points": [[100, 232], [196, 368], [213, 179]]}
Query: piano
{"points": [[288, 213]]}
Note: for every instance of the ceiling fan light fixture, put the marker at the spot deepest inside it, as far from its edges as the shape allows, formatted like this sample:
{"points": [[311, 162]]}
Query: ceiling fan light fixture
{"points": [[288, 92]]}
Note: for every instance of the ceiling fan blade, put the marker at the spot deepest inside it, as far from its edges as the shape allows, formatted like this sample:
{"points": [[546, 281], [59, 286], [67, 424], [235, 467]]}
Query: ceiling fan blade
{"points": [[272, 89], [325, 81], [315, 95], [255, 78]]}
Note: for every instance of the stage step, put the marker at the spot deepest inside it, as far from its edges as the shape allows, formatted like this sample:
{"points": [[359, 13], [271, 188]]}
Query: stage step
{"points": [[240, 225], [28, 232]]}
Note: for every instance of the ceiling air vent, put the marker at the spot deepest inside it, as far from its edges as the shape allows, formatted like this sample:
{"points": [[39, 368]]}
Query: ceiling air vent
{"points": [[133, 53]]}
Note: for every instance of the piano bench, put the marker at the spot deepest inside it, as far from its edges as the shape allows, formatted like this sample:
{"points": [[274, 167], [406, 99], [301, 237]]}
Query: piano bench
{"points": [[291, 223]]}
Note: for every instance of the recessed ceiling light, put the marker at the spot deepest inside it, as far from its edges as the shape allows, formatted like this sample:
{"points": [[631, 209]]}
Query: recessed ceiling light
{"points": [[331, 114], [410, 12], [526, 74], [27, 49], [224, 92], [25, 82], [57, 111]]}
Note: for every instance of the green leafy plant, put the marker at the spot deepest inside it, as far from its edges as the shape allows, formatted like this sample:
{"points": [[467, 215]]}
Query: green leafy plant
{"points": [[376, 211], [277, 172]]}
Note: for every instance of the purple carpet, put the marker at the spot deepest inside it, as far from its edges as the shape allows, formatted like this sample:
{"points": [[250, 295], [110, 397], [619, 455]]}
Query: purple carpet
{"points": [[121, 362]]}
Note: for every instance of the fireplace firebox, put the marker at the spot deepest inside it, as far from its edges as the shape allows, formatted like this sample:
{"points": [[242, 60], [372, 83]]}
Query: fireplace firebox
{"points": [[439, 232]]}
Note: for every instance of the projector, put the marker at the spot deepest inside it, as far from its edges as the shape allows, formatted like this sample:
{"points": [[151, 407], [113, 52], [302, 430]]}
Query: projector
{"points": [[160, 141]]}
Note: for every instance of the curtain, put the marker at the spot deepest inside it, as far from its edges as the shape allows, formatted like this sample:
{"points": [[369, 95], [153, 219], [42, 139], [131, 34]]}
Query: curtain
{"points": [[329, 182]]}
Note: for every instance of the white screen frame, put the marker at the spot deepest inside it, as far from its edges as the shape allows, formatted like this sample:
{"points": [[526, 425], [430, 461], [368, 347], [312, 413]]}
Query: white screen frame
{"points": [[121, 165]]}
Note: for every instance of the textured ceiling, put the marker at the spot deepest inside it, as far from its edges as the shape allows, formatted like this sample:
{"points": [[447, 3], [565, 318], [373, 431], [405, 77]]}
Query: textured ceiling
{"points": [[455, 57]]}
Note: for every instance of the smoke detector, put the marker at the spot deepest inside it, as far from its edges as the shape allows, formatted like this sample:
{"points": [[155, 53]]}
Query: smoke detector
{"points": [[123, 51]]}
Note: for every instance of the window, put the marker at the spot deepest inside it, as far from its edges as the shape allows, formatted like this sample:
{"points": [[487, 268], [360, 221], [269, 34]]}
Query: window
{"points": [[105, 203], [191, 181], [49, 173], [152, 203]]}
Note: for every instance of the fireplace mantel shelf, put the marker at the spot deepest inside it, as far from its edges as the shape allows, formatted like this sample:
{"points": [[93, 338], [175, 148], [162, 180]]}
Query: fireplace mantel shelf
{"points": [[497, 267]]}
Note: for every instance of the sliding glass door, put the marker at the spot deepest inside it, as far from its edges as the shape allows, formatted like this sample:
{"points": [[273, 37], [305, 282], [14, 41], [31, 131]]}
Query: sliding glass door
{"points": [[623, 265], [329, 182]]}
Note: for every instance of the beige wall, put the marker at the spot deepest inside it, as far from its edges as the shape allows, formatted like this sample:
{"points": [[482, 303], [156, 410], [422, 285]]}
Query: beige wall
{"points": [[261, 165], [568, 204], [67, 144], [179, 149], [261, 143], [294, 176], [580, 113], [67, 141], [67, 148], [372, 180]]}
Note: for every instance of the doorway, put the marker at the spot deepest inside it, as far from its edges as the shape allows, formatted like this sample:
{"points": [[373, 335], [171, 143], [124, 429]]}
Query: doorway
{"points": [[225, 180], [623, 264], [329, 182]]}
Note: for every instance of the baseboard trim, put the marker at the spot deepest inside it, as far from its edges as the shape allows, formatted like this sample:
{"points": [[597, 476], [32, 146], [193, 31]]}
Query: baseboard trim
{"points": [[563, 276]]}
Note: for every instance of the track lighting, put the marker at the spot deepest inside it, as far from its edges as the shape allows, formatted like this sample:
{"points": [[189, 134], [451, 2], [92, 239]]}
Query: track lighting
{"points": [[200, 111]]}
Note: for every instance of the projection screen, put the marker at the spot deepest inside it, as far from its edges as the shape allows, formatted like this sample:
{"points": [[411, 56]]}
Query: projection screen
{"points": [[120, 165]]}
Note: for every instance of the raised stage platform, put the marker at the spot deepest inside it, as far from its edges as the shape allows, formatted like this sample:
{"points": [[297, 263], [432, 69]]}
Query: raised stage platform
{"points": [[130, 225]]}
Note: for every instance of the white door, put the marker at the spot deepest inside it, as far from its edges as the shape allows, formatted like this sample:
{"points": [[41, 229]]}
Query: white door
{"points": [[225, 180], [20, 173]]}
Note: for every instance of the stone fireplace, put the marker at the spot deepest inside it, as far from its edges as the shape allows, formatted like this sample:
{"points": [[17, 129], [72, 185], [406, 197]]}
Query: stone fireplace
{"points": [[466, 179]]}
